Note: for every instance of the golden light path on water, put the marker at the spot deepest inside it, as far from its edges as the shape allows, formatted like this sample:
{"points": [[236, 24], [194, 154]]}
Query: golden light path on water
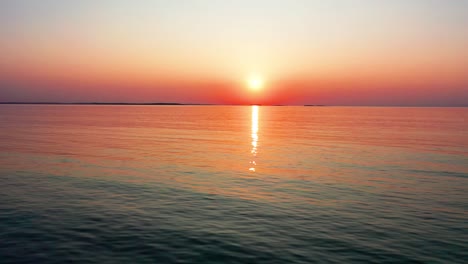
{"points": [[254, 136]]}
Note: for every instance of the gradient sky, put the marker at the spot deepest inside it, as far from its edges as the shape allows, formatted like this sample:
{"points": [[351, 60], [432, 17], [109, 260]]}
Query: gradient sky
{"points": [[338, 52]]}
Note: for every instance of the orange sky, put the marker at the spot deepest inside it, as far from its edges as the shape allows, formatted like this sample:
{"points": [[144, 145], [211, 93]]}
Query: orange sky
{"points": [[307, 52]]}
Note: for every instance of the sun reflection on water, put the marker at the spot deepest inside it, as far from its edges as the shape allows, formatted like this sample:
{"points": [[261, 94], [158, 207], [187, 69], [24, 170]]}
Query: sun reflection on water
{"points": [[254, 137]]}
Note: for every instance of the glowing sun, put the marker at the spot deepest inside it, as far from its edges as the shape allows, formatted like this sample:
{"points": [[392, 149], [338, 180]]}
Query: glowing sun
{"points": [[255, 83]]}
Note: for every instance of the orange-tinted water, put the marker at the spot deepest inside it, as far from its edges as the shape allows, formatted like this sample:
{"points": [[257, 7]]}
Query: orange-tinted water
{"points": [[264, 184]]}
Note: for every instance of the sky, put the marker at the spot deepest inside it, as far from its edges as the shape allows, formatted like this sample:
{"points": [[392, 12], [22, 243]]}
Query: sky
{"points": [[335, 52]]}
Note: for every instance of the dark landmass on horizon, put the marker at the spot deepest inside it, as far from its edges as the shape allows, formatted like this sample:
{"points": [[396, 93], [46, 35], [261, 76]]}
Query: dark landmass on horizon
{"points": [[96, 103], [116, 103]]}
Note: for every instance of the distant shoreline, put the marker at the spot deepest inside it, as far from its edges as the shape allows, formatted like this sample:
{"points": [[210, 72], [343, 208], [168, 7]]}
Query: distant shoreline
{"points": [[93, 103], [195, 104], [113, 103]]}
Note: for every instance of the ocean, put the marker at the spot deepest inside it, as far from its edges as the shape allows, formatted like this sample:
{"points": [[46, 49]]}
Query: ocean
{"points": [[233, 184]]}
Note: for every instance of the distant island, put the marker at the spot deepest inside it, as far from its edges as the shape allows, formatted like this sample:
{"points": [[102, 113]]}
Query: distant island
{"points": [[117, 103], [96, 103]]}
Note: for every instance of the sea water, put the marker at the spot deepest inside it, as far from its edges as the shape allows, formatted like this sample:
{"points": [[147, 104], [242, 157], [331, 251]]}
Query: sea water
{"points": [[233, 184]]}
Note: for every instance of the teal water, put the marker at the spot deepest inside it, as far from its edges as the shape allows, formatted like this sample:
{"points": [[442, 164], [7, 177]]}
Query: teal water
{"points": [[233, 184]]}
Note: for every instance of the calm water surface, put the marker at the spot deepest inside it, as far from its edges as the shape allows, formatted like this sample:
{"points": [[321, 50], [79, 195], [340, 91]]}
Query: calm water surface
{"points": [[228, 184]]}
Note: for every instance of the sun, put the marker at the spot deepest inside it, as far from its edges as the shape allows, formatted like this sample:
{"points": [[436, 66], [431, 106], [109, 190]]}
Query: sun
{"points": [[255, 83]]}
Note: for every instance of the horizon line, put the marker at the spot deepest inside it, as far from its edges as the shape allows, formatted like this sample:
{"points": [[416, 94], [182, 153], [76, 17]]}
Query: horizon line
{"points": [[210, 104]]}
